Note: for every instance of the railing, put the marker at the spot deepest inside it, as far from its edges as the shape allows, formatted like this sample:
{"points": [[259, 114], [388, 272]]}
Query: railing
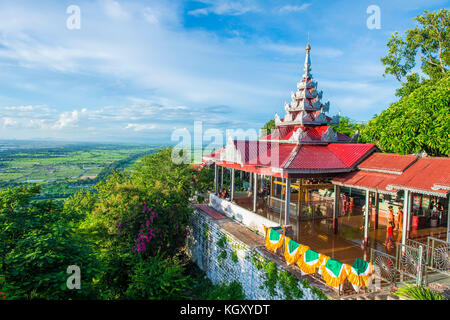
{"points": [[278, 205], [310, 210], [313, 210], [411, 262], [438, 255], [385, 266]]}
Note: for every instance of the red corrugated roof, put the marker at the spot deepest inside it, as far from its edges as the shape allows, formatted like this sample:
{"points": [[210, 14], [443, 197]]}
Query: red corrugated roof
{"points": [[390, 162], [332, 156], [424, 174], [365, 179], [350, 153], [316, 157], [319, 158]]}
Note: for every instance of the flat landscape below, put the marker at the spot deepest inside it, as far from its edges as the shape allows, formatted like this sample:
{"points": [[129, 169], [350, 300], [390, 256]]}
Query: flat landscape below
{"points": [[62, 169]]}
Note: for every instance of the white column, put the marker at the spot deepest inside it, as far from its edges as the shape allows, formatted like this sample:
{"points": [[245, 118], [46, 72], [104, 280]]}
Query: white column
{"points": [[255, 190], [287, 207], [232, 184], [366, 219], [406, 211]]}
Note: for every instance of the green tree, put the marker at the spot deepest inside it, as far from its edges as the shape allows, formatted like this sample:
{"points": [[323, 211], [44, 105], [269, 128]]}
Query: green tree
{"points": [[428, 41], [270, 125], [347, 126], [139, 217], [38, 244], [418, 122]]}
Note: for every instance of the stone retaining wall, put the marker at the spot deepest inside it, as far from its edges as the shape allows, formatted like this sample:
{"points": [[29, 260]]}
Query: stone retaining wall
{"points": [[225, 258]]}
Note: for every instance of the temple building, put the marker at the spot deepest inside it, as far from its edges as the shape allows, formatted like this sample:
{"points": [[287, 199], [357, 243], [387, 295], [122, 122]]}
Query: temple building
{"points": [[330, 192]]}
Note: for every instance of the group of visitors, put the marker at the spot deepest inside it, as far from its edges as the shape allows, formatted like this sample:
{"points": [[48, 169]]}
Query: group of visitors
{"points": [[394, 223], [223, 194]]}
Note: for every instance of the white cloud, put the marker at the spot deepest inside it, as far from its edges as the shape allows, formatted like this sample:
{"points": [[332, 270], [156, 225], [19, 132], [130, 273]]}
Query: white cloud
{"points": [[114, 10], [224, 7], [140, 127], [293, 8], [7, 122], [68, 119]]}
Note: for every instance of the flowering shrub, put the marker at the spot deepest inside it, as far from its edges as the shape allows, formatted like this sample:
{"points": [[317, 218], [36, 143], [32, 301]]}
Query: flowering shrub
{"points": [[146, 232]]}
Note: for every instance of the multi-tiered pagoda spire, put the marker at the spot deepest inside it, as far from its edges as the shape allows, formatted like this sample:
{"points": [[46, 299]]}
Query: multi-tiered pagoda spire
{"points": [[306, 111]]}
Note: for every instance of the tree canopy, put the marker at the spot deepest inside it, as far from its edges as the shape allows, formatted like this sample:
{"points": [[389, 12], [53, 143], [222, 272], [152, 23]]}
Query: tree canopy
{"points": [[418, 122], [429, 42]]}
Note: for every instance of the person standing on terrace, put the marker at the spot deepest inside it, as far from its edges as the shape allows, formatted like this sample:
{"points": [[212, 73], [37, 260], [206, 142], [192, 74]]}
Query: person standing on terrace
{"points": [[399, 224], [389, 243], [390, 216]]}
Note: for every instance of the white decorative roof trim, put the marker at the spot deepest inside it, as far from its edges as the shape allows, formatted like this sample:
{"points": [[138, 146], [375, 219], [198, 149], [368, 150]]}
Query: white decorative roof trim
{"points": [[277, 120], [335, 120], [231, 153], [316, 104], [288, 117], [326, 107], [319, 95], [299, 135], [308, 85], [321, 118], [329, 135], [426, 192], [437, 186]]}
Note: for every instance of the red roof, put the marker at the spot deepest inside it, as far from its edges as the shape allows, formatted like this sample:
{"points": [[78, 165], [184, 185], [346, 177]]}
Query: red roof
{"points": [[350, 153], [304, 158], [387, 162], [374, 181], [424, 174]]}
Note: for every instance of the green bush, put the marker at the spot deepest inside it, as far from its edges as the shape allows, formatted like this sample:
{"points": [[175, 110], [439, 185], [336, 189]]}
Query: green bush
{"points": [[412, 292], [232, 291], [158, 278]]}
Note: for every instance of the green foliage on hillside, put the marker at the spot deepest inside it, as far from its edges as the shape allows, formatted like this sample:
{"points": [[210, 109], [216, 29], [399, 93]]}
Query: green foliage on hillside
{"points": [[38, 243], [418, 122], [126, 235]]}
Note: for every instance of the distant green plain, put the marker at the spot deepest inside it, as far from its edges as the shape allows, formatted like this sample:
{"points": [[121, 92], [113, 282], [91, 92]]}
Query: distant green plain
{"points": [[64, 169]]}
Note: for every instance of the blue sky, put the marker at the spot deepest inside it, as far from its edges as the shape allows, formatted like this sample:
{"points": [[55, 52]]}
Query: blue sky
{"points": [[136, 71]]}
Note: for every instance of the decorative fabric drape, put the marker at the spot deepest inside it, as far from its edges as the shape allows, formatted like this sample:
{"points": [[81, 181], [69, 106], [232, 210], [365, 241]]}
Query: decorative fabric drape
{"points": [[310, 261], [360, 273], [274, 239], [293, 250], [334, 272]]}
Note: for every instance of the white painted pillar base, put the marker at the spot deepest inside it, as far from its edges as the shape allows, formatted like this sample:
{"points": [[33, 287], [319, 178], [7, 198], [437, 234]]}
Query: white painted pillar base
{"points": [[255, 189], [366, 219]]}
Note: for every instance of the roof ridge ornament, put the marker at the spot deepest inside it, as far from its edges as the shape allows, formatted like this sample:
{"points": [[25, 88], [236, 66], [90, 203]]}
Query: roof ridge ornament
{"points": [[307, 68]]}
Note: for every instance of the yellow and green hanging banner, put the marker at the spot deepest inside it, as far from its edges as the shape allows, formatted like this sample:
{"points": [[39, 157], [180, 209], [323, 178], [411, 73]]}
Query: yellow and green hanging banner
{"points": [[274, 239], [334, 272], [360, 273], [293, 250], [310, 261]]}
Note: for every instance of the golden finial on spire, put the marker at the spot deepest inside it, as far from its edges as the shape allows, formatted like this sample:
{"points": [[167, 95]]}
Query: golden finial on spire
{"points": [[308, 47]]}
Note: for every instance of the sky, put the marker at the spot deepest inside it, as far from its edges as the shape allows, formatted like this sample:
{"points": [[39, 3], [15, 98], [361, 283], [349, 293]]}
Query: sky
{"points": [[138, 71]]}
